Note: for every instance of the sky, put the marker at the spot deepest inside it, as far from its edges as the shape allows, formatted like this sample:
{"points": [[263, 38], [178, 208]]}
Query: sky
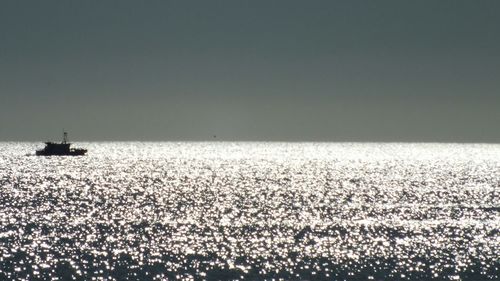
{"points": [[257, 70]]}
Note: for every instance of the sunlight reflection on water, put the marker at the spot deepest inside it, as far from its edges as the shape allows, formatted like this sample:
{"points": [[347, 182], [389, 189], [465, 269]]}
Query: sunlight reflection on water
{"points": [[251, 211]]}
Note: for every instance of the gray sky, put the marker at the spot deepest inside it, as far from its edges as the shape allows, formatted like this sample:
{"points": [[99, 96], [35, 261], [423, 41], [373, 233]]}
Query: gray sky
{"points": [[250, 70]]}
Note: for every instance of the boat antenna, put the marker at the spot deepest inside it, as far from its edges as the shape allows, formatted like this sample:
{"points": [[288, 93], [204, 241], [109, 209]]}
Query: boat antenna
{"points": [[65, 137]]}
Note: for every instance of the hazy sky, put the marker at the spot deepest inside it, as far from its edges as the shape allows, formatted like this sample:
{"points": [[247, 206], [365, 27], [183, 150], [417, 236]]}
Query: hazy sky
{"points": [[250, 70]]}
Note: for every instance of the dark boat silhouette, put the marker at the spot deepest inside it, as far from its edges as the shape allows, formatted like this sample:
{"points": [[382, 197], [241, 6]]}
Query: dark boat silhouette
{"points": [[60, 149]]}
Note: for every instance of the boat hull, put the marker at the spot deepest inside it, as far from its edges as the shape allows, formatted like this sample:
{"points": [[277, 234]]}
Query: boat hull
{"points": [[75, 152]]}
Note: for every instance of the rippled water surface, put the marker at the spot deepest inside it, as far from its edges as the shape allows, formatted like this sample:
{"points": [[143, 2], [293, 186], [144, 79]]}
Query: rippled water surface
{"points": [[251, 211]]}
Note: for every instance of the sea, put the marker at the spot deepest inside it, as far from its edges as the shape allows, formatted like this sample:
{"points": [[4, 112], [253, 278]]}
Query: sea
{"points": [[251, 211]]}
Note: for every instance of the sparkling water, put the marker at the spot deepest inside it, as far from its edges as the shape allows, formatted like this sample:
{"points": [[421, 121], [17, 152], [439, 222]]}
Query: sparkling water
{"points": [[224, 211]]}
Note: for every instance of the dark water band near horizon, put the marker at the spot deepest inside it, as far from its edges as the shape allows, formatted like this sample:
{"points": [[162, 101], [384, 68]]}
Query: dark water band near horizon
{"points": [[252, 211]]}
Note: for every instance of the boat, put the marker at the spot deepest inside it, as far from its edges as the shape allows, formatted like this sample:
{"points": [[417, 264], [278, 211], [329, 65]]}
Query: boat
{"points": [[60, 149]]}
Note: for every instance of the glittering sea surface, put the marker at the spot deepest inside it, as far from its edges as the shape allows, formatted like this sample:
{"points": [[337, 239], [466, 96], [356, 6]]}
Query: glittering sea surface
{"points": [[224, 211]]}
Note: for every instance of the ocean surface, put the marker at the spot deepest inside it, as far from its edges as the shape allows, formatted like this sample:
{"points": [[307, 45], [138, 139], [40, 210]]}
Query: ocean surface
{"points": [[226, 211]]}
